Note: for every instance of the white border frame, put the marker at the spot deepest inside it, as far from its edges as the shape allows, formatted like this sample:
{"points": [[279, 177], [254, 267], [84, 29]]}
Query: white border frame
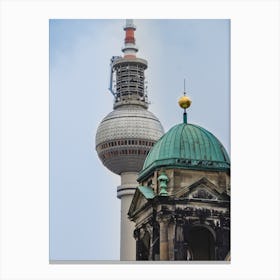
{"points": [[254, 143]]}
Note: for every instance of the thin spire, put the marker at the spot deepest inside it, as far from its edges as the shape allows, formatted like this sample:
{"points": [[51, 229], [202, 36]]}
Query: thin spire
{"points": [[185, 112], [185, 102], [130, 48]]}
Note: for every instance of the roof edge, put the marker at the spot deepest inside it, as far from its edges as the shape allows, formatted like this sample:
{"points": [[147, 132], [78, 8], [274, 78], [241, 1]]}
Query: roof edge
{"points": [[181, 163]]}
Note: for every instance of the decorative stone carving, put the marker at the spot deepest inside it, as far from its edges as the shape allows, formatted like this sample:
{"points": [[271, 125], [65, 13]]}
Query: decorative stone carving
{"points": [[163, 180]]}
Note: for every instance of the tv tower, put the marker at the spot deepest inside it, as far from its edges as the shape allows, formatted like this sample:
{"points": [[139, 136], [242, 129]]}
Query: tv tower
{"points": [[125, 136]]}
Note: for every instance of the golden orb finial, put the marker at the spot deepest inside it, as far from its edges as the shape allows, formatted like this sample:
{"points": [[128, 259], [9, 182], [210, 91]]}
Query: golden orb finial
{"points": [[184, 102]]}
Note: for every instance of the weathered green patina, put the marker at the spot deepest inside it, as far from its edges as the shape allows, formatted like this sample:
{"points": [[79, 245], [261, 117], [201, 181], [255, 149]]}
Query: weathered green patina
{"points": [[163, 180], [147, 192], [187, 146]]}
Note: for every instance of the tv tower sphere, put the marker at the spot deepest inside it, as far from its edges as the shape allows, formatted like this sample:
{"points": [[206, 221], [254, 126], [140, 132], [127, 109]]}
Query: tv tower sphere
{"points": [[126, 135]]}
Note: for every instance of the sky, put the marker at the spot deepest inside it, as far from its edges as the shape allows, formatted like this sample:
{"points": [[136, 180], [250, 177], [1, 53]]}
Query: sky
{"points": [[84, 209]]}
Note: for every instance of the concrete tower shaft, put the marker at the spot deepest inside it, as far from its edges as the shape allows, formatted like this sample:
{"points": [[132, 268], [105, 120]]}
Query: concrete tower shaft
{"points": [[126, 135]]}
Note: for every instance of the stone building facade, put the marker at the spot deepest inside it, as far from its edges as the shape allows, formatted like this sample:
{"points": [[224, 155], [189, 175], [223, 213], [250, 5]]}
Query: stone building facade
{"points": [[181, 208]]}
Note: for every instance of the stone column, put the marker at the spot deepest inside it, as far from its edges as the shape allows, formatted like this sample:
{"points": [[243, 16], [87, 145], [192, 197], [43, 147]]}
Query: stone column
{"points": [[171, 239], [179, 240], [163, 233], [136, 236], [149, 229]]}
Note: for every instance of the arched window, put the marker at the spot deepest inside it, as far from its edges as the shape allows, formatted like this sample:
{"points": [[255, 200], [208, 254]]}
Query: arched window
{"points": [[201, 244]]}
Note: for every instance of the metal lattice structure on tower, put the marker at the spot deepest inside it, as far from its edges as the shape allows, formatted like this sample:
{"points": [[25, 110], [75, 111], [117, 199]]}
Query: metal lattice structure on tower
{"points": [[126, 135], [128, 72], [130, 87]]}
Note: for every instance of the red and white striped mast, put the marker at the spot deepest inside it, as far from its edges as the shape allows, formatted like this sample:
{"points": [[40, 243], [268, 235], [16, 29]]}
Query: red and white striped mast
{"points": [[130, 48]]}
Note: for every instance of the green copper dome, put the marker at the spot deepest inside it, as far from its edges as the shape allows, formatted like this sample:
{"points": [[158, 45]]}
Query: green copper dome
{"points": [[187, 146]]}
